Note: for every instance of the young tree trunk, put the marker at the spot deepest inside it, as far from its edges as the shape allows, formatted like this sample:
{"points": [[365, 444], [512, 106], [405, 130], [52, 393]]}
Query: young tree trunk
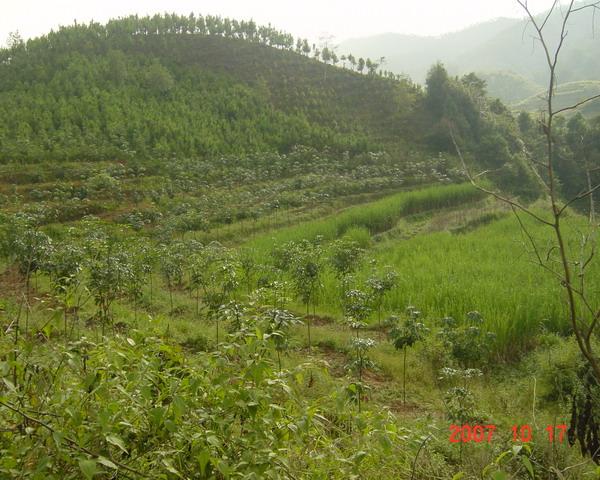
{"points": [[279, 359], [308, 324], [404, 378], [589, 184]]}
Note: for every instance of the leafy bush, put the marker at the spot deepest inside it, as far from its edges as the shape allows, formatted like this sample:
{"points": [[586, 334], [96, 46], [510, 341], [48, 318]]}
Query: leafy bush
{"points": [[136, 406], [469, 343]]}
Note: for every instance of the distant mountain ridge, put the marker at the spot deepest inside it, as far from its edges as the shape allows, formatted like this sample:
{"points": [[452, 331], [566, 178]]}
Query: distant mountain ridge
{"points": [[502, 51], [414, 54]]}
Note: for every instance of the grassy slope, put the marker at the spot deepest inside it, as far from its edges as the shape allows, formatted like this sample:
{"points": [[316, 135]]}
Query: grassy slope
{"points": [[454, 254], [567, 94], [375, 217]]}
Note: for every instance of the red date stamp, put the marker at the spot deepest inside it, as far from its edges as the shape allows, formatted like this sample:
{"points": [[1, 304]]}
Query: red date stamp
{"points": [[520, 433]]}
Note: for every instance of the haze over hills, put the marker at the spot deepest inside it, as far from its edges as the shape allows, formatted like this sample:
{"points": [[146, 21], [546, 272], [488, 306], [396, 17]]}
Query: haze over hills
{"points": [[501, 51], [413, 54]]}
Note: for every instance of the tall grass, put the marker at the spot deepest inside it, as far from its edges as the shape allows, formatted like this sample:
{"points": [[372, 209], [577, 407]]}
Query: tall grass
{"points": [[488, 269], [375, 217], [485, 268]]}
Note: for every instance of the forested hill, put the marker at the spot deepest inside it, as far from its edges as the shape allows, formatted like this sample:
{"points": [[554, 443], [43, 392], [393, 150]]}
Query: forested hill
{"points": [[189, 87]]}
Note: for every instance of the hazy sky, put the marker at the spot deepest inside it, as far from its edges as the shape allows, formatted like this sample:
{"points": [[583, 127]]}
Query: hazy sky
{"points": [[309, 18]]}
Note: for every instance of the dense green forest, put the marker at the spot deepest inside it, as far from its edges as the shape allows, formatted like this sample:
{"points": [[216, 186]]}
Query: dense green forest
{"points": [[191, 87], [226, 253]]}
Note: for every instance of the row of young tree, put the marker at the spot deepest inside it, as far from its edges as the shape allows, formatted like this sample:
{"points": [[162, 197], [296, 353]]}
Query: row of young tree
{"points": [[209, 25], [235, 292], [241, 382], [93, 262]]}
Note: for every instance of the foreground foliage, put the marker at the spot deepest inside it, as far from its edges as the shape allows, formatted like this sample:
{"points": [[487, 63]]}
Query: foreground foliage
{"points": [[141, 407]]}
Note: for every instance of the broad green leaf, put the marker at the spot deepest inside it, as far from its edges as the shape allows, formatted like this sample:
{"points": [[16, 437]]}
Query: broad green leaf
{"points": [[107, 463], [458, 476], [501, 456], [499, 475], [224, 468], [58, 438], [88, 468], [171, 426], [9, 384], [203, 459], [116, 441], [359, 456], [170, 468], [528, 466]]}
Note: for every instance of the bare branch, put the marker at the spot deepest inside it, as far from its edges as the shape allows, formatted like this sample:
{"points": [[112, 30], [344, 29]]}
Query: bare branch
{"points": [[549, 14], [595, 6], [523, 4], [582, 334], [496, 195], [563, 35], [580, 196], [533, 162], [536, 251], [577, 105]]}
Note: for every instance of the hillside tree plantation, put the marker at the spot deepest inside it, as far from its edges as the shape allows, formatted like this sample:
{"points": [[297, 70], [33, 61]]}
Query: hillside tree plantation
{"points": [[226, 253]]}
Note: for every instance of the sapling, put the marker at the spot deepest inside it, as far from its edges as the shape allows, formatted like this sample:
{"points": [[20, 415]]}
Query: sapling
{"points": [[361, 346], [271, 293], [345, 256], [459, 399], [279, 324], [171, 266], [249, 267], [27, 246], [379, 287], [234, 313], [148, 256], [306, 269], [109, 269], [405, 335], [468, 343], [135, 280], [215, 272], [64, 266], [357, 308]]}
